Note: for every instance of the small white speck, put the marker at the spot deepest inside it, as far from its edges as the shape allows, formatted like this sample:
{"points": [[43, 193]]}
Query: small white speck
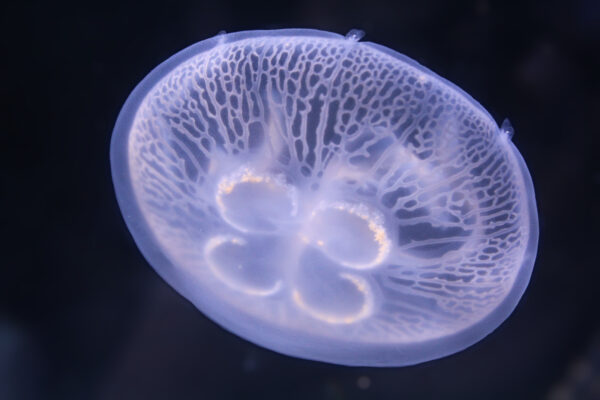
{"points": [[221, 35], [507, 128], [363, 382], [355, 35]]}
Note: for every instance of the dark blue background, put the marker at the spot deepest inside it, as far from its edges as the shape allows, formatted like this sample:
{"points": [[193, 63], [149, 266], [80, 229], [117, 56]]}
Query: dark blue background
{"points": [[83, 316]]}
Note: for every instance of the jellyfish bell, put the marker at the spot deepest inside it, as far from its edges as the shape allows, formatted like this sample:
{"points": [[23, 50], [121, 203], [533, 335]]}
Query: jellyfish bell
{"points": [[325, 197]]}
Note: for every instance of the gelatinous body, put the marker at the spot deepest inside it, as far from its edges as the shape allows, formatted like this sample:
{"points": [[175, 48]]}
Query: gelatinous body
{"points": [[326, 198]]}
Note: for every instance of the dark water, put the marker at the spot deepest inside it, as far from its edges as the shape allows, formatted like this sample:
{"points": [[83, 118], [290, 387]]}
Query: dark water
{"points": [[82, 315]]}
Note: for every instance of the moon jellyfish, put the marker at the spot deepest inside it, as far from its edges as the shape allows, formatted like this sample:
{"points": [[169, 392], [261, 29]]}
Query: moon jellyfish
{"points": [[326, 198]]}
